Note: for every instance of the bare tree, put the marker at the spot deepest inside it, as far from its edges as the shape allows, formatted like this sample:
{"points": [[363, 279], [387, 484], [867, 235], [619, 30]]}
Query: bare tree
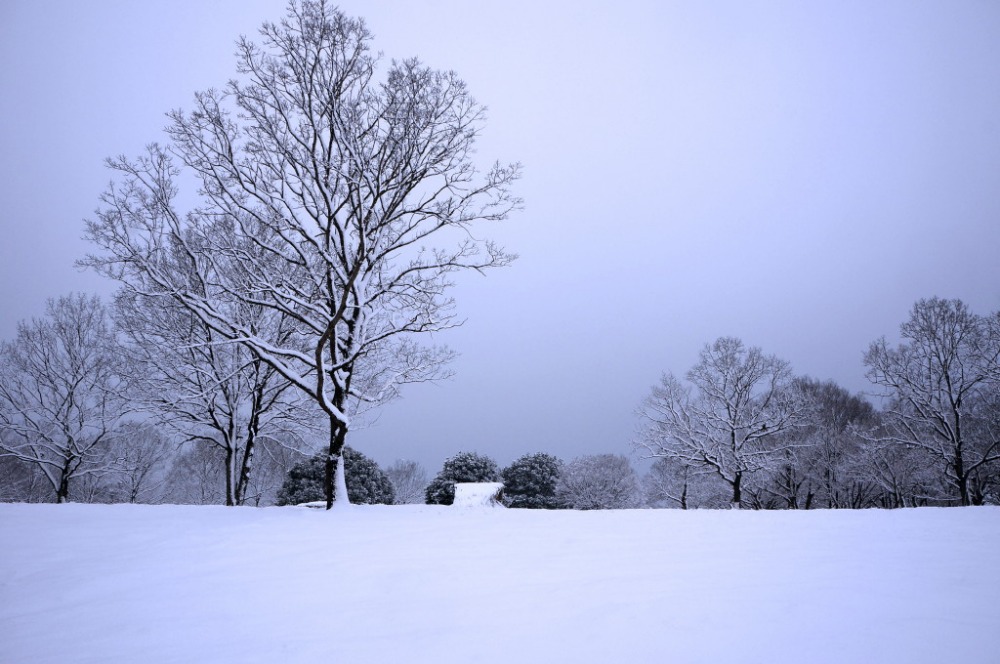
{"points": [[671, 482], [22, 482], [835, 415], [936, 383], [196, 476], [410, 480], [58, 392], [822, 469], [141, 455], [322, 189], [205, 389], [984, 481], [903, 475], [731, 424], [598, 482]]}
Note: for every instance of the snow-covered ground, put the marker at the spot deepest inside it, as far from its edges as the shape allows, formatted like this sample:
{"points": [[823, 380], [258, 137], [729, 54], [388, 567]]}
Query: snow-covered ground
{"points": [[82, 583]]}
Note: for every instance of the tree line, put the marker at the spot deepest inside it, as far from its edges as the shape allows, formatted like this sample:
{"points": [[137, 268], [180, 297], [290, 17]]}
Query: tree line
{"points": [[741, 429], [96, 406]]}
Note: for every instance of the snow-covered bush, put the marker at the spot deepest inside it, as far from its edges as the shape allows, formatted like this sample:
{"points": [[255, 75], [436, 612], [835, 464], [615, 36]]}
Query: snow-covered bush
{"points": [[463, 467], [598, 482], [367, 484], [531, 481]]}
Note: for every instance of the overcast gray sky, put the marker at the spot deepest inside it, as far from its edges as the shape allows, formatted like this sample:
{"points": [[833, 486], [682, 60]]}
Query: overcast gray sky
{"points": [[796, 174]]}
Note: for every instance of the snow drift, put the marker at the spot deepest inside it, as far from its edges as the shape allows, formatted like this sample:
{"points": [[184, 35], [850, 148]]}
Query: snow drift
{"points": [[478, 494], [87, 583]]}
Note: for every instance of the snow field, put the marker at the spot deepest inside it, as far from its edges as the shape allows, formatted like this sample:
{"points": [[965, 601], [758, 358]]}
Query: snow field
{"points": [[120, 583]]}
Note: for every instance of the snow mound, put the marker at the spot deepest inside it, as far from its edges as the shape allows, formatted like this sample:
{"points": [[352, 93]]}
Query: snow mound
{"points": [[478, 494]]}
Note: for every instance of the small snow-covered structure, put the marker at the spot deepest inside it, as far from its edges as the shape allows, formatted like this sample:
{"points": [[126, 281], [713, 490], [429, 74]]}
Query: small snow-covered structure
{"points": [[478, 494]]}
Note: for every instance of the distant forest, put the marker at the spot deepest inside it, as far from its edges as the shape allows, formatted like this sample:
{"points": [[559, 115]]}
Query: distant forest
{"points": [[111, 404]]}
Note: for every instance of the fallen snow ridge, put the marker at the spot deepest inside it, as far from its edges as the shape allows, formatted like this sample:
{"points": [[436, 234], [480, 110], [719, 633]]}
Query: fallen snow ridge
{"points": [[120, 583]]}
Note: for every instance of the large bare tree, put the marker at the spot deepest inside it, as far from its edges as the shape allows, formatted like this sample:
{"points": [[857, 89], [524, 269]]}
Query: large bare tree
{"points": [[59, 399], [730, 424], [940, 382], [323, 187]]}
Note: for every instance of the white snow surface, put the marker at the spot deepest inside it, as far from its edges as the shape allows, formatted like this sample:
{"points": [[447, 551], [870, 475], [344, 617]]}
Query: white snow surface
{"points": [[120, 583], [477, 494]]}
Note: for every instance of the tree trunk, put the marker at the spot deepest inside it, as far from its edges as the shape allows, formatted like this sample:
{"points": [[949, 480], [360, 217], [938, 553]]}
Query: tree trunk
{"points": [[340, 483], [253, 429], [961, 477], [331, 460], [62, 493], [246, 465], [335, 478], [229, 475], [737, 492], [960, 472]]}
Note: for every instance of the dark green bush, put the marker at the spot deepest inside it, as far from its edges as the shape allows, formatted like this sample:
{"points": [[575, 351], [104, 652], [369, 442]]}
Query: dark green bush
{"points": [[367, 484], [531, 482]]}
